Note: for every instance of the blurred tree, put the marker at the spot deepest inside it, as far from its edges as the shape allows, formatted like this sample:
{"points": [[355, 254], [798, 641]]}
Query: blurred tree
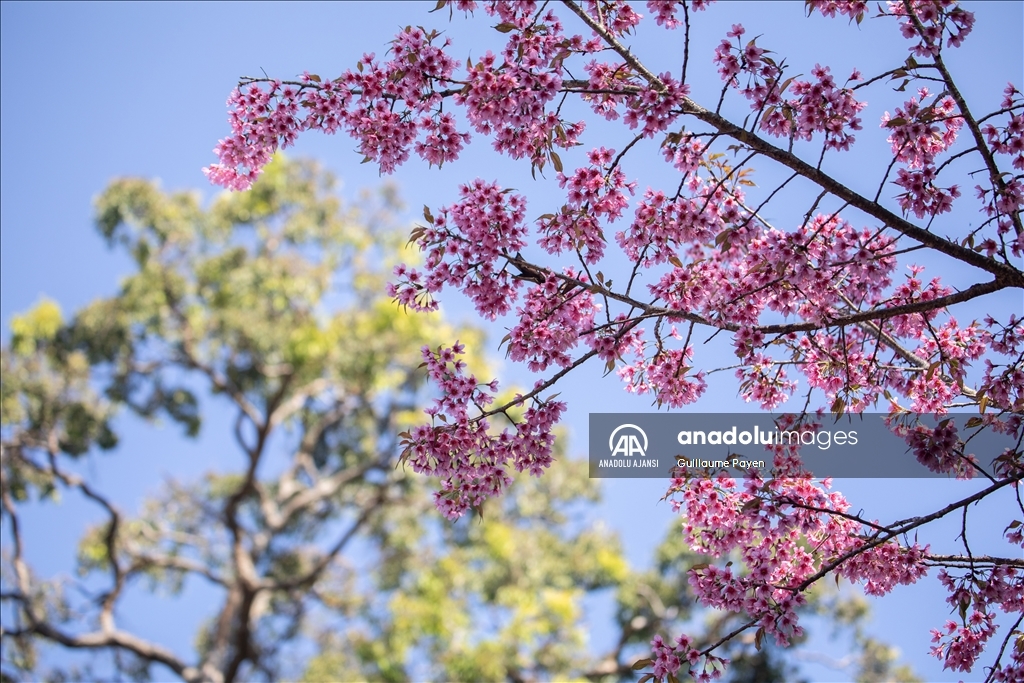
{"points": [[330, 560]]}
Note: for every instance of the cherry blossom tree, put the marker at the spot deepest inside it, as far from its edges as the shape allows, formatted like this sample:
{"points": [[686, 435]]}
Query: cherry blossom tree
{"points": [[828, 299]]}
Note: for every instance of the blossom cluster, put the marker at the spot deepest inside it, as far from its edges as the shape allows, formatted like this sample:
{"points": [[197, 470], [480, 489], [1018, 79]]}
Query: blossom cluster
{"points": [[666, 12], [662, 228], [616, 339], [393, 108], [959, 646], [784, 531], [551, 321], [593, 193], [928, 20], [788, 530], [1004, 200], [919, 133], [1003, 383], [667, 659], [974, 594], [460, 448], [652, 109], [854, 9], [820, 106], [668, 376], [386, 107], [1009, 139], [1014, 671], [507, 98], [817, 272], [922, 196], [764, 381], [464, 245], [618, 17]]}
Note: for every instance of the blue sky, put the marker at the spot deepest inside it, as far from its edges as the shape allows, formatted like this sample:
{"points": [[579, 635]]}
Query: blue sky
{"points": [[94, 91]]}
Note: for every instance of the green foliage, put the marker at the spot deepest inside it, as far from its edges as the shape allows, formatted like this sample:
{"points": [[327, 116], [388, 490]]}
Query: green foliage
{"points": [[48, 403], [38, 326], [494, 598]]}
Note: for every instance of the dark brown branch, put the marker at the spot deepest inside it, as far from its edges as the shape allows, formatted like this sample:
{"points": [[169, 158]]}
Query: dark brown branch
{"points": [[902, 528], [1004, 273], [972, 292], [962, 562]]}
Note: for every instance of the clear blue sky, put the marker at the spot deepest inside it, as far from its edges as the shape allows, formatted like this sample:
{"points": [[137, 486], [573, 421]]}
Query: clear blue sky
{"points": [[91, 92]]}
